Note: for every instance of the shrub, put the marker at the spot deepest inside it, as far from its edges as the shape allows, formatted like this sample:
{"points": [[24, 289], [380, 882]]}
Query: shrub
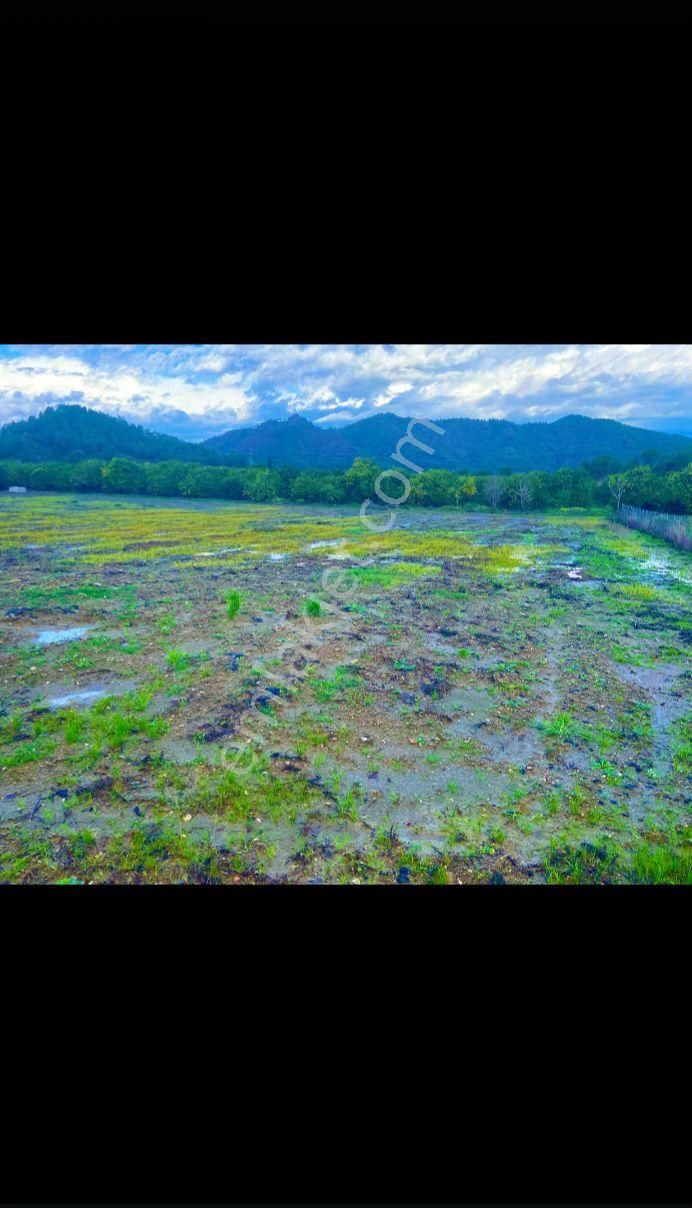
{"points": [[233, 604]]}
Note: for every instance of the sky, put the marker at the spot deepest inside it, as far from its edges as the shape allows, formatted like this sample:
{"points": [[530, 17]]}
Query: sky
{"points": [[200, 390]]}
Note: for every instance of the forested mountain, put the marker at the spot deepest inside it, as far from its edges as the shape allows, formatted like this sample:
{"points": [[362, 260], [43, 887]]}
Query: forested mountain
{"points": [[494, 445], [73, 433], [290, 442], [473, 445]]}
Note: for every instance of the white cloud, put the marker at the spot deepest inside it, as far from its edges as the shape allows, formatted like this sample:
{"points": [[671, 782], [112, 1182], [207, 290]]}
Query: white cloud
{"points": [[243, 383]]}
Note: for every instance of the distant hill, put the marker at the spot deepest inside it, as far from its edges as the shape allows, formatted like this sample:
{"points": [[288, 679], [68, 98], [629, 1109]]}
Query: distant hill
{"points": [[72, 433], [467, 444], [289, 442]]}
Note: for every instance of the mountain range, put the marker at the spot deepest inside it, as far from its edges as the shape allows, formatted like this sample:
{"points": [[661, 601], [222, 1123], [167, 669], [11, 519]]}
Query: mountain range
{"points": [[72, 433]]}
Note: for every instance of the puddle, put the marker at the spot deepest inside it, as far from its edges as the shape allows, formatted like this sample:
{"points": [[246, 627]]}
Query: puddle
{"points": [[324, 544], [55, 637], [83, 697], [53, 698], [277, 557], [658, 567]]}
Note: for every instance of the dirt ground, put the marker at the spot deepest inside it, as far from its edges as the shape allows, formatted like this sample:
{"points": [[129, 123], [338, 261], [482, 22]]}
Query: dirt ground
{"points": [[205, 692]]}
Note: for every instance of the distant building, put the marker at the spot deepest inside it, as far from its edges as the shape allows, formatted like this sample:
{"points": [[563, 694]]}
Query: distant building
{"points": [[17, 490]]}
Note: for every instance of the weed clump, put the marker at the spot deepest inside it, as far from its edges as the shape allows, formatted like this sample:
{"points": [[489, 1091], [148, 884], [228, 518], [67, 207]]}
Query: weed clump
{"points": [[313, 608], [232, 604], [177, 659]]}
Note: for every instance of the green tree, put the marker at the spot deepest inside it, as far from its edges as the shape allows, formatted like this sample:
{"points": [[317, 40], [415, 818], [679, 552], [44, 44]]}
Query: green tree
{"points": [[434, 488], [617, 484], [233, 484], [360, 479], [51, 476], [318, 486], [124, 476], [262, 486], [644, 489], [204, 482], [87, 475], [164, 478], [676, 491]]}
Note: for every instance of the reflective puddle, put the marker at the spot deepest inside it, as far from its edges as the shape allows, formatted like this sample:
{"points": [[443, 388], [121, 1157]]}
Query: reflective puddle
{"points": [[55, 637]]}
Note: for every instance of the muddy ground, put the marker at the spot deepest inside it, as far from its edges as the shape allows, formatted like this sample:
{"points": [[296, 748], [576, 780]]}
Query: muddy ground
{"points": [[467, 698]]}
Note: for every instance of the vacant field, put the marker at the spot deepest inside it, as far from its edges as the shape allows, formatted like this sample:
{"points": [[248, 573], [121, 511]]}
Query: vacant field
{"points": [[494, 699]]}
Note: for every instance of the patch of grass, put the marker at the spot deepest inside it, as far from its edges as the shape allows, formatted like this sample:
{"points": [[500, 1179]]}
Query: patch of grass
{"points": [[464, 747], [587, 863], [348, 804], [391, 575], [27, 752], [11, 726], [655, 865], [233, 603], [636, 591], [605, 738], [343, 678], [561, 726], [75, 725], [681, 747], [166, 623], [577, 801], [622, 654], [177, 659], [313, 608]]}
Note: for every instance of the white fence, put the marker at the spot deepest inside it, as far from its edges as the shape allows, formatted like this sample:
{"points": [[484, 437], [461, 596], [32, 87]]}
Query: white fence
{"points": [[676, 529]]}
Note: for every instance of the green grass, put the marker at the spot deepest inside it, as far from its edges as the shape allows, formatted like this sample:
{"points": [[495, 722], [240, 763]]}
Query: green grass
{"points": [[342, 679], [233, 602], [662, 866], [27, 752], [681, 747], [177, 659], [561, 726], [582, 864], [313, 608]]}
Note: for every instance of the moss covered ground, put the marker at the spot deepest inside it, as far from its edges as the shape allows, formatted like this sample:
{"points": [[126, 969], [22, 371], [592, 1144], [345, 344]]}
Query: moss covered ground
{"points": [[486, 698]]}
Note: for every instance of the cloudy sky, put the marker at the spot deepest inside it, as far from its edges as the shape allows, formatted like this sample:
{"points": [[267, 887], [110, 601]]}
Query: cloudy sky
{"points": [[199, 390]]}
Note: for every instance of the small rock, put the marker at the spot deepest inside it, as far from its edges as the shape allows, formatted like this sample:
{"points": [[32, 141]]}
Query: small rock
{"points": [[403, 875]]}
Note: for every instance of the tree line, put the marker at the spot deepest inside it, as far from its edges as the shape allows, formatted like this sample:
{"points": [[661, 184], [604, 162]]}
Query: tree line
{"points": [[585, 486]]}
